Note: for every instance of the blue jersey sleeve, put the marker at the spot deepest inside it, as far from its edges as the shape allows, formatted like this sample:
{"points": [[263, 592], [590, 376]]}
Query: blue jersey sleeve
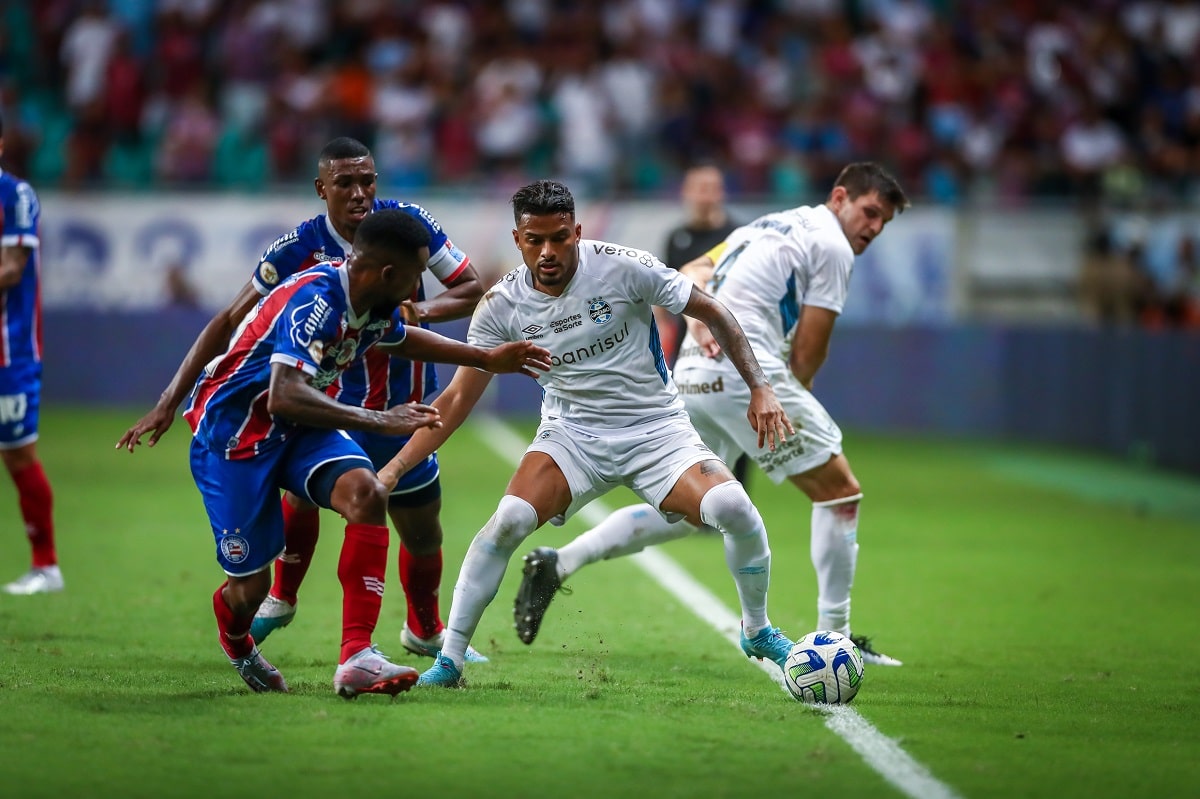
{"points": [[21, 212], [305, 331]]}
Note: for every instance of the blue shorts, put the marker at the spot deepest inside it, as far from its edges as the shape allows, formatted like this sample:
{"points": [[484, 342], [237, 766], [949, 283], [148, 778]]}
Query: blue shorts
{"points": [[242, 497], [20, 396], [380, 449]]}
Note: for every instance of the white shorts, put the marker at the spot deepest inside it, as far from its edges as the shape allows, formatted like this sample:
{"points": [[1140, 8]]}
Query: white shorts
{"points": [[717, 403], [648, 458]]}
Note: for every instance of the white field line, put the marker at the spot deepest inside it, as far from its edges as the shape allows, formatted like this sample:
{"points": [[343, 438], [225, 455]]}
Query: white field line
{"points": [[880, 752]]}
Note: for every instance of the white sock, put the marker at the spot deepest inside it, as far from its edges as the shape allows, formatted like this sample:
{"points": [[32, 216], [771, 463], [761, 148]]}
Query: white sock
{"points": [[834, 555], [728, 508], [482, 571], [625, 531]]}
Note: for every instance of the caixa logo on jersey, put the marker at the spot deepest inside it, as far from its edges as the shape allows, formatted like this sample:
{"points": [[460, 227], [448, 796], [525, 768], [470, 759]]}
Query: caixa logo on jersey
{"points": [[600, 311]]}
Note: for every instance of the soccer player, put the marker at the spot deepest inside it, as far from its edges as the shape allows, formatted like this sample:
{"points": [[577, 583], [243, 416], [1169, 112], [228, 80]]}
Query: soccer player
{"points": [[346, 181], [785, 277], [610, 412], [21, 379], [262, 422]]}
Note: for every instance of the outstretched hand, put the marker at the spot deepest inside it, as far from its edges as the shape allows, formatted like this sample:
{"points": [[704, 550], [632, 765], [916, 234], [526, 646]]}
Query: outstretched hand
{"points": [[768, 418], [156, 422], [402, 420], [519, 356]]}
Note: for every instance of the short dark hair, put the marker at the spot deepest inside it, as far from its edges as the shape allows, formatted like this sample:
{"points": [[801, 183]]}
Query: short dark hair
{"points": [[865, 177], [393, 231], [543, 197], [343, 147]]}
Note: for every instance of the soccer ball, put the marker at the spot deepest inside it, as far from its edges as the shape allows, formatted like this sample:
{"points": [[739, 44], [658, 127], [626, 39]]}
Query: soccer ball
{"points": [[824, 668]]}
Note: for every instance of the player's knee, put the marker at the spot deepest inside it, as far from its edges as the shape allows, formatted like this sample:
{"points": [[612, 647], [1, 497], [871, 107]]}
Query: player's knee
{"points": [[727, 507], [363, 499], [511, 524]]}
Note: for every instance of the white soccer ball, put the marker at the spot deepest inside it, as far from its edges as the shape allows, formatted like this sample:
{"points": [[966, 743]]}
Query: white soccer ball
{"points": [[824, 668]]}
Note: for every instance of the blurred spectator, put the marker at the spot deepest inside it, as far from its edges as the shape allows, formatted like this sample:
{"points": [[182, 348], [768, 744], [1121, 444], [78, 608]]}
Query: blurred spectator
{"points": [[1113, 289], [1099, 100], [189, 140]]}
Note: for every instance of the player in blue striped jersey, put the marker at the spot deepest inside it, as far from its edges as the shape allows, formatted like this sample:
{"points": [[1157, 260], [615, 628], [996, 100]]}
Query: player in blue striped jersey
{"points": [[21, 378], [347, 183]]}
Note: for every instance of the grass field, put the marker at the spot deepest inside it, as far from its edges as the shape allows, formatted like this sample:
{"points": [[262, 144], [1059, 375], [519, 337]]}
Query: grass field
{"points": [[1045, 605]]}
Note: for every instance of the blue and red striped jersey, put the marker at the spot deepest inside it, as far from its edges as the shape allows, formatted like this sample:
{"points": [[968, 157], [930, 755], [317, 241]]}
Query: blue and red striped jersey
{"points": [[378, 381], [306, 323], [21, 310]]}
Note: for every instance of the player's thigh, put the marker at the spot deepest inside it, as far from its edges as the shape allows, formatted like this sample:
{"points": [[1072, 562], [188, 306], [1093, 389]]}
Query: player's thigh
{"points": [[315, 460], [562, 470], [20, 400], [242, 501], [667, 459]]}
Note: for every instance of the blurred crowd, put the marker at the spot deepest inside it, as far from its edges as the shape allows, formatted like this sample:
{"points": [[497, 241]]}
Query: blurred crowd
{"points": [[1095, 99]]}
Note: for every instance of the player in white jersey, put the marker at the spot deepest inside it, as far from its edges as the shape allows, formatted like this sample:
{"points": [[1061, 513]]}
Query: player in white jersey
{"points": [[785, 277], [610, 412]]}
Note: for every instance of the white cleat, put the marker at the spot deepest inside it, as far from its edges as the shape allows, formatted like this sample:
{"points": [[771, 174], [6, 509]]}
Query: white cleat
{"points": [[872, 655], [44, 580], [368, 671], [429, 647]]}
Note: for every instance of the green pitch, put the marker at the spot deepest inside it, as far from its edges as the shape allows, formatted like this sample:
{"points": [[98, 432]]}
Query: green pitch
{"points": [[1044, 603]]}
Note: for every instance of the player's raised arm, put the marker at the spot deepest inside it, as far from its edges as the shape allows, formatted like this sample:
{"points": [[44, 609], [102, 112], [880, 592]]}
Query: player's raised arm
{"points": [[211, 342], [515, 356], [454, 404], [457, 301], [766, 415]]}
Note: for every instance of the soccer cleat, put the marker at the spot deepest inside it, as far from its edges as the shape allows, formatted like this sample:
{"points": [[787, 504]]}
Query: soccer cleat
{"points": [[260, 675], [871, 655], [539, 583], [442, 674], [272, 614], [770, 643], [429, 647], [43, 580], [368, 671]]}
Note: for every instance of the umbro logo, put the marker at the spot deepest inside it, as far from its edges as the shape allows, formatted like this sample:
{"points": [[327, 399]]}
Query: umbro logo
{"points": [[529, 331]]}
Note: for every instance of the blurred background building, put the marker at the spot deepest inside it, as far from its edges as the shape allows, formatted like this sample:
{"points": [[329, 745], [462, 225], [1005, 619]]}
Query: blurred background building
{"points": [[1052, 147]]}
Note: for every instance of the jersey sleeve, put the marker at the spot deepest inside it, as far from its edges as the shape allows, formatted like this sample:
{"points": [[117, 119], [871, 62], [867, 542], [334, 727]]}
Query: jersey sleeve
{"points": [[829, 282], [446, 262], [487, 327], [280, 261], [305, 328], [21, 211], [398, 332], [658, 285]]}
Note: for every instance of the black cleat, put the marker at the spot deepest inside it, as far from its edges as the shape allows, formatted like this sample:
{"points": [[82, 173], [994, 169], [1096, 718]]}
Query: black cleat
{"points": [[539, 584], [871, 655]]}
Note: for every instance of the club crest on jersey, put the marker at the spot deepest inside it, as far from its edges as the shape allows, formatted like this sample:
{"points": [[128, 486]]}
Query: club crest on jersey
{"points": [[269, 276], [600, 311], [234, 548]]}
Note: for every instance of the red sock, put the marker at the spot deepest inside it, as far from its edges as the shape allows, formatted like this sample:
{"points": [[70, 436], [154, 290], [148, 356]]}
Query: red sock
{"points": [[37, 501], [301, 527], [421, 576], [234, 630], [361, 570]]}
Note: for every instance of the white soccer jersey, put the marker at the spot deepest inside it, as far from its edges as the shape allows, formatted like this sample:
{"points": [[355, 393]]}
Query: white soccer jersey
{"points": [[608, 369], [770, 269]]}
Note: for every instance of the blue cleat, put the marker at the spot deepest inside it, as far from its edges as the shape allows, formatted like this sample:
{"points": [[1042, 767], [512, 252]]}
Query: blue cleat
{"points": [[442, 674], [770, 643], [272, 614]]}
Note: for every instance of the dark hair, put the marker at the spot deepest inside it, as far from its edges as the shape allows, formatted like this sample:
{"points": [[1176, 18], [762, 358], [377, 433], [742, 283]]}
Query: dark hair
{"points": [[392, 230], [543, 197], [343, 147], [865, 177]]}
